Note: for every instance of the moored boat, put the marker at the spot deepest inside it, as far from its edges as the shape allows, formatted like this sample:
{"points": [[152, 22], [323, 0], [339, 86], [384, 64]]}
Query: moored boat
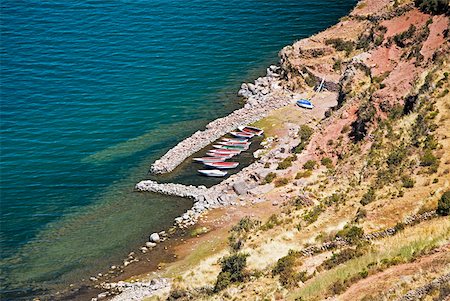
{"points": [[235, 147], [304, 103], [225, 151], [212, 172], [210, 159], [246, 144], [235, 139], [225, 156], [251, 130], [242, 135], [222, 165]]}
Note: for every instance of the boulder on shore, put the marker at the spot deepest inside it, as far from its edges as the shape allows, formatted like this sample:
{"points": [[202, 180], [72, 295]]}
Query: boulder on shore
{"points": [[155, 237]]}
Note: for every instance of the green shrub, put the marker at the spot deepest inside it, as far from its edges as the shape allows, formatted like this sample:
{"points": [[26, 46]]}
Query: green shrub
{"points": [[428, 159], [273, 221], [335, 198], [396, 157], [435, 7], [337, 65], [352, 234], [239, 232], [341, 45], [365, 116], [287, 162], [309, 165], [303, 174], [305, 132], [269, 178], [444, 204], [232, 271], [408, 182], [341, 257], [368, 197], [285, 268], [400, 38], [312, 215], [281, 182], [327, 162]]}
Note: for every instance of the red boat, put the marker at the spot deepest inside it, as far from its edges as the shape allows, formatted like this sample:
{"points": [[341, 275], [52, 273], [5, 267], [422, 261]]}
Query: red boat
{"points": [[246, 144], [251, 129], [222, 165], [245, 135], [225, 156], [225, 151], [210, 159]]}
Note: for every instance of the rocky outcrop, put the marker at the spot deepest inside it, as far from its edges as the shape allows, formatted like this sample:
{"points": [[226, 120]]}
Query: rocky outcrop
{"points": [[133, 291], [204, 198], [421, 292]]}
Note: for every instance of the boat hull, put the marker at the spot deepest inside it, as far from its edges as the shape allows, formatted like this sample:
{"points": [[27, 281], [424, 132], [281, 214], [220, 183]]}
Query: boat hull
{"points": [[242, 135], [212, 172], [222, 165], [251, 130], [210, 159]]}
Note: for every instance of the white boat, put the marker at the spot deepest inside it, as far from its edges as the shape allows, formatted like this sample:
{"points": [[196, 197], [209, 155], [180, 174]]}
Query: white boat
{"points": [[225, 156], [251, 129], [229, 143], [225, 151], [210, 159], [212, 172], [232, 147], [222, 165], [235, 140], [242, 134]]}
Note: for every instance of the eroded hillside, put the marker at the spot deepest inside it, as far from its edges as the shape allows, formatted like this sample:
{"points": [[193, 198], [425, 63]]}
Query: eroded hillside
{"points": [[358, 208]]}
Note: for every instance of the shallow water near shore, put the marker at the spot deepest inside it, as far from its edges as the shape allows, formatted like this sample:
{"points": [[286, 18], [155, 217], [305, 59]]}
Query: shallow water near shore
{"points": [[92, 93]]}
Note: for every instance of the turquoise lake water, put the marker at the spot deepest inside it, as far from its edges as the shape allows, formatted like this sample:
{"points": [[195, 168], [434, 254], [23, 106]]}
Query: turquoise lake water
{"points": [[92, 92]]}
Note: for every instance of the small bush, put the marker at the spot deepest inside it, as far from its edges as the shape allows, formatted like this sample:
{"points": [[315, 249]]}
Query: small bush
{"points": [[303, 174], [312, 215], [287, 162], [285, 268], [365, 116], [232, 271], [396, 157], [281, 182], [341, 257], [368, 197], [335, 198], [327, 162], [337, 65], [408, 182], [273, 221], [352, 234], [269, 178], [309, 165], [428, 159], [239, 232], [444, 204], [341, 45], [435, 7], [305, 132], [400, 38]]}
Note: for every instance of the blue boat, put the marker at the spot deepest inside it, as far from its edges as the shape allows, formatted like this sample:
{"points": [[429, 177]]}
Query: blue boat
{"points": [[304, 103]]}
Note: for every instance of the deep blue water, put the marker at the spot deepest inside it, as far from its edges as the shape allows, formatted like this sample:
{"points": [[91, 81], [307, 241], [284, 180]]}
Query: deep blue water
{"points": [[92, 92]]}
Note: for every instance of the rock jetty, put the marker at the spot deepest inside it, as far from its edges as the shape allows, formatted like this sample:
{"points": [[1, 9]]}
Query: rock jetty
{"points": [[265, 95]]}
